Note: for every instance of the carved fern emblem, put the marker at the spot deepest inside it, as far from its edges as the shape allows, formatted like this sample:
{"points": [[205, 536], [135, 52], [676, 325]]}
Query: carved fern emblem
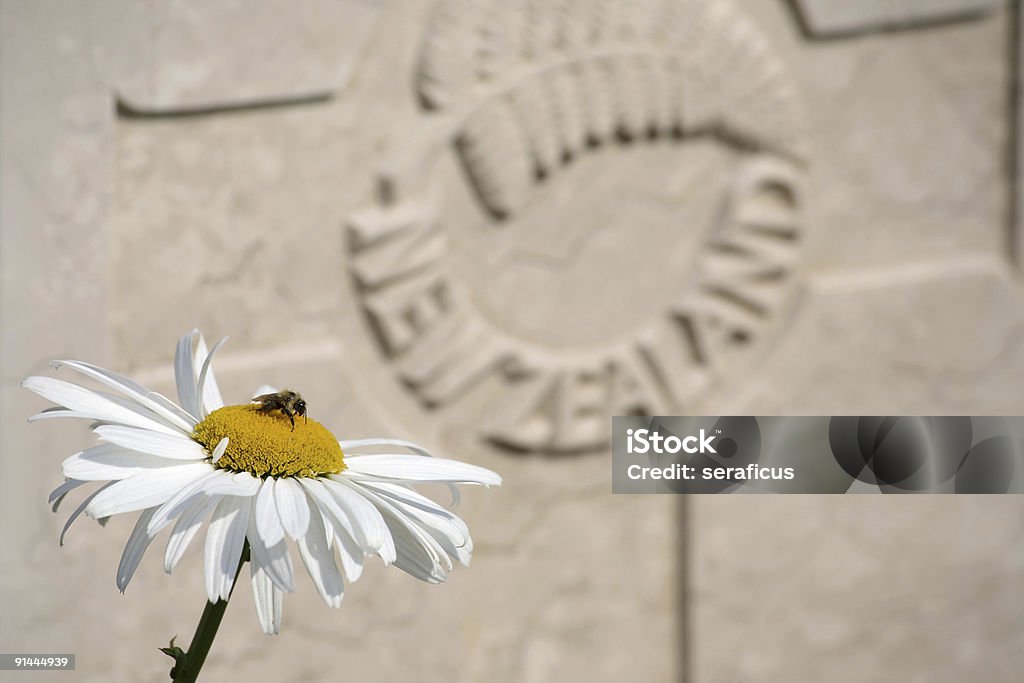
{"points": [[522, 90], [539, 82]]}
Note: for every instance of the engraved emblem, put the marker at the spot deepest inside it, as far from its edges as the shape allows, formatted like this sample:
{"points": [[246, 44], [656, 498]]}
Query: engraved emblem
{"points": [[621, 230]]}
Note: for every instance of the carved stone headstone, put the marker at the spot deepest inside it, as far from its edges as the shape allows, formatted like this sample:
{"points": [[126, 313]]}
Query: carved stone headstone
{"points": [[488, 226]]}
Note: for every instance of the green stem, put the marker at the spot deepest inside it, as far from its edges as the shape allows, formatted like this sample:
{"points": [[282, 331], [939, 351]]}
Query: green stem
{"points": [[188, 670]]}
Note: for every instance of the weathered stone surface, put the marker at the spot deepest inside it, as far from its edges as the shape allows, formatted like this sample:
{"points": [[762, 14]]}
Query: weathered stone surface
{"points": [[925, 160], [55, 173], [859, 588], [504, 295], [1017, 241], [856, 588], [935, 338], [201, 54], [830, 17]]}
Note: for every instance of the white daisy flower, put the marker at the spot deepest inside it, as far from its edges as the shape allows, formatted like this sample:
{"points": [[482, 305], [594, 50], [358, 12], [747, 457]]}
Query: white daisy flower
{"points": [[257, 477]]}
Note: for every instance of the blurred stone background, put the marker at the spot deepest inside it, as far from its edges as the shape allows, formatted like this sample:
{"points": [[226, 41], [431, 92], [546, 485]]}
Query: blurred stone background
{"points": [[488, 227]]}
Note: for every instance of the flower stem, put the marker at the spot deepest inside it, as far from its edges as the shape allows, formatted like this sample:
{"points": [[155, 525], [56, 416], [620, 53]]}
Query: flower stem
{"points": [[187, 670]]}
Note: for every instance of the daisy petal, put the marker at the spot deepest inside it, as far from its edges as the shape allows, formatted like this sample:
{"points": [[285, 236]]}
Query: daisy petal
{"points": [[401, 443], [218, 452], [268, 522], [268, 600], [274, 559], [418, 553], [446, 528], [147, 489], [110, 462], [175, 447], [351, 553], [319, 559], [57, 411], [82, 402], [224, 540], [145, 417], [351, 556], [338, 525], [207, 386], [237, 484], [328, 527], [185, 376], [184, 498], [57, 495], [134, 549], [292, 507], [190, 521], [81, 508], [365, 517], [156, 403], [317, 490], [410, 468]]}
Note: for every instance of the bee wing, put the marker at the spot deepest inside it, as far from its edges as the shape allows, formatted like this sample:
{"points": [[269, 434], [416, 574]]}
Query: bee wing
{"points": [[262, 391], [263, 397]]}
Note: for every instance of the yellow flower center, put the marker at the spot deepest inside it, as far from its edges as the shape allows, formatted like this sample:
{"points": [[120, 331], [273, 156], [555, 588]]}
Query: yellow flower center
{"points": [[263, 443]]}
